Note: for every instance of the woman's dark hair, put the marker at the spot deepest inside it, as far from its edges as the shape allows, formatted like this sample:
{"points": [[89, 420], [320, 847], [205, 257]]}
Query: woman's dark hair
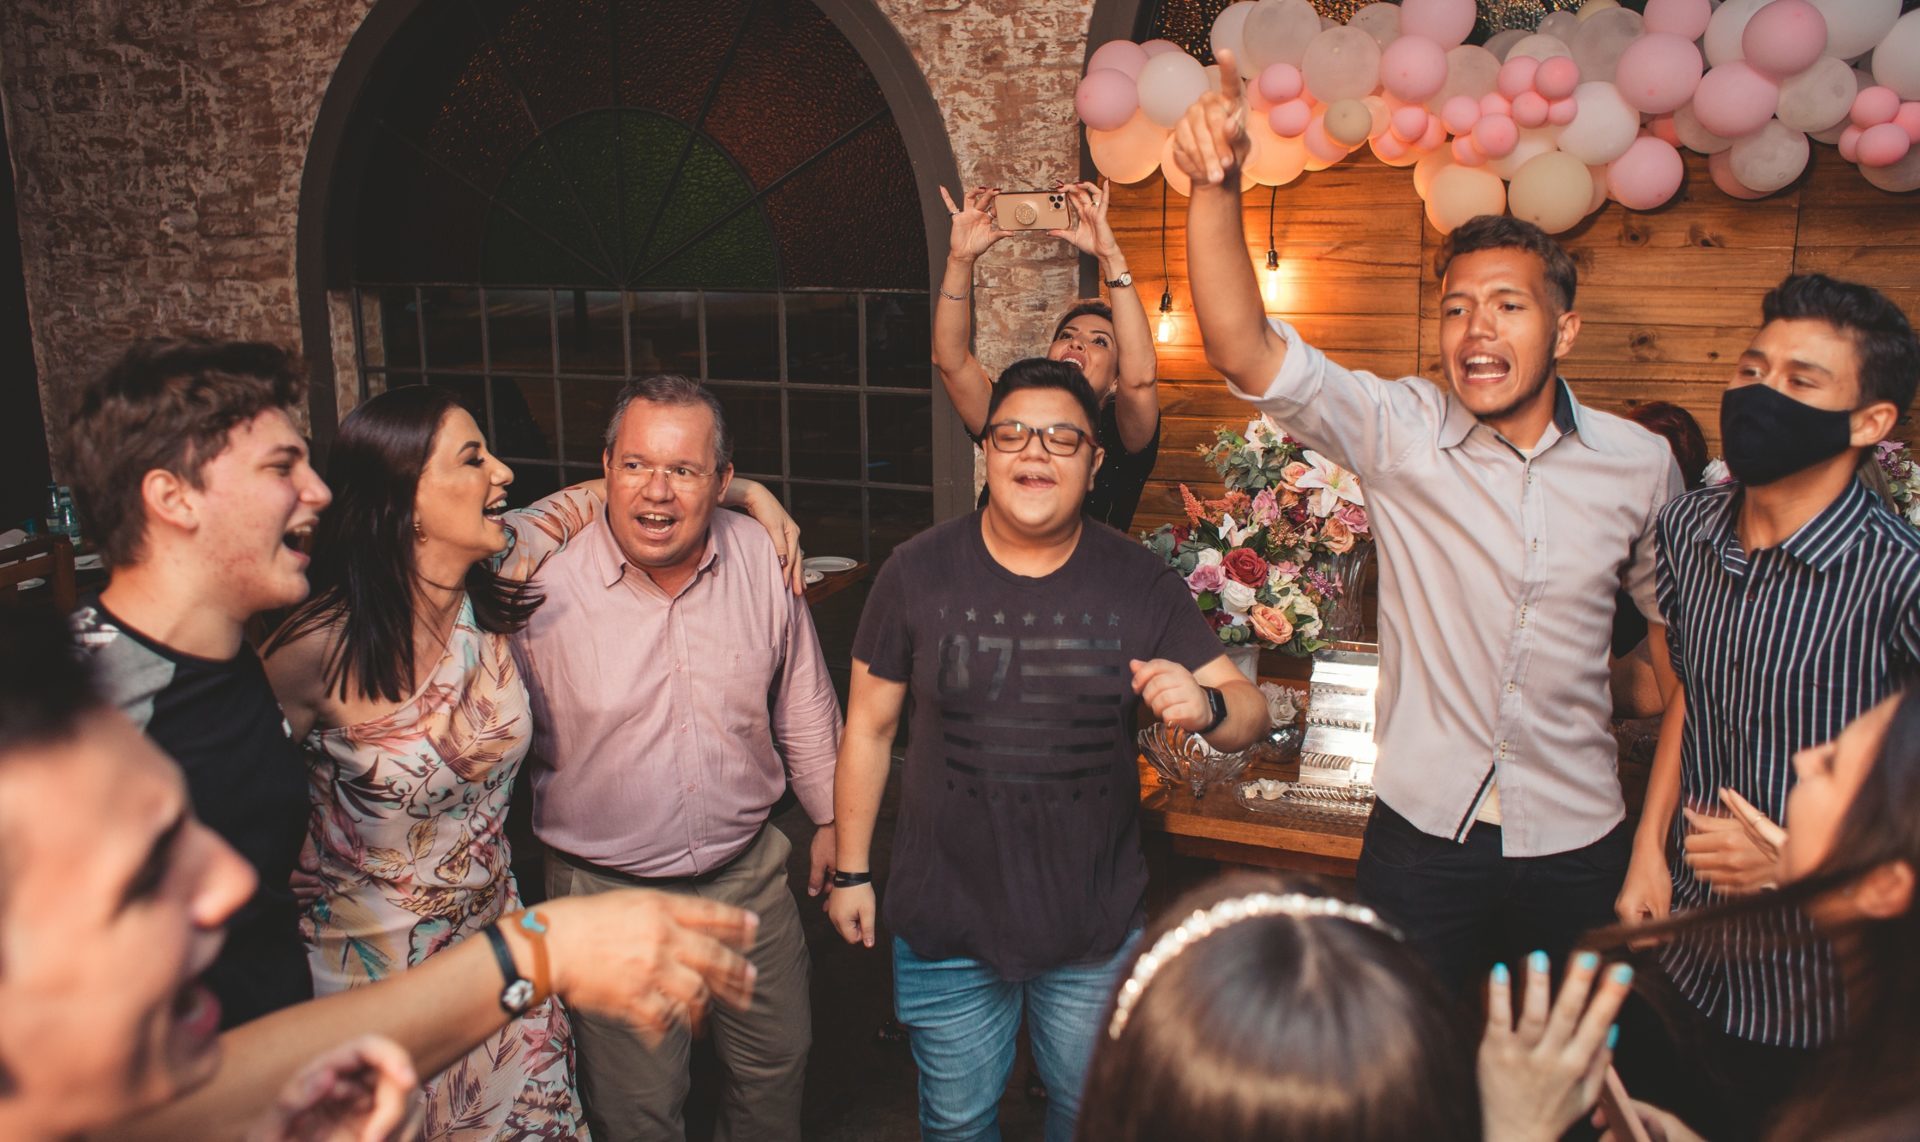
{"points": [[1499, 232], [1866, 1078], [1040, 373], [1681, 432], [363, 549], [1086, 307], [1283, 1027], [1882, 336]]}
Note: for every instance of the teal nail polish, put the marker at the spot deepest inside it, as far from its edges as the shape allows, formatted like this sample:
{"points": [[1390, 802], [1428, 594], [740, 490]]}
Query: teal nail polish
{"points": [[1613, 1036], [1587, 961], [1622, 973], [1538, 962], [1500, 973]]}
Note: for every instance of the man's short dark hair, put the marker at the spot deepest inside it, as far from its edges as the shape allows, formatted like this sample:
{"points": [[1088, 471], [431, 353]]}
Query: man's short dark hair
{"points": [[167, 404], [1882, 336], [45, 685], [1499, 232], [673, 389], [1040, 373]]}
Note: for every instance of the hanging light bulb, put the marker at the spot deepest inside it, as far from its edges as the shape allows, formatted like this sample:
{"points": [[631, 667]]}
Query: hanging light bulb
{"points": [[1270, 286], [1163, 332]]}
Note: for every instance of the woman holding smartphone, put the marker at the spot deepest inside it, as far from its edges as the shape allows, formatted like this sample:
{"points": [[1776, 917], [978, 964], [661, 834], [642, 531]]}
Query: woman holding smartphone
{"points": [[1112, 345]]}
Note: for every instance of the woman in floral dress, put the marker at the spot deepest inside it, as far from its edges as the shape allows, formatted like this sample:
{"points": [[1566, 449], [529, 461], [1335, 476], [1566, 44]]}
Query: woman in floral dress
{"points": [[416, 722]]}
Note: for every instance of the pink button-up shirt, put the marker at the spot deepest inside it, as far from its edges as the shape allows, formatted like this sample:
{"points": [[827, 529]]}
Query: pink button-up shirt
{"points": [[668, 725]]}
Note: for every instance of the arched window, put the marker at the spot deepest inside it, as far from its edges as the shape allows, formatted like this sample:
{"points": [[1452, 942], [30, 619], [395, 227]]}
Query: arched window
{"points": [[551, 196]]}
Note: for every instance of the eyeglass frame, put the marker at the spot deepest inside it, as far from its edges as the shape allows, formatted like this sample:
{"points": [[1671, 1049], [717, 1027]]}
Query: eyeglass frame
{"points": [[1046, 435], [643, 473]]}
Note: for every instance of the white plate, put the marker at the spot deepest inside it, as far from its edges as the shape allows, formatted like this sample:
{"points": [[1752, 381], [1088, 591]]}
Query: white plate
{"points": [[88, 563], [828, 564], [814, 577]]}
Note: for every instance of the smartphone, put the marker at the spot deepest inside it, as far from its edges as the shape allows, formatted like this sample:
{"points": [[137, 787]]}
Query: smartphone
{"points": [[1617, 1109], [1031, 210]]}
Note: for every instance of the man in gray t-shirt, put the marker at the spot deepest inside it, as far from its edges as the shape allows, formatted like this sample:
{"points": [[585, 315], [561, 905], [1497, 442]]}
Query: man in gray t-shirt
{"points": [[1028, 637]]}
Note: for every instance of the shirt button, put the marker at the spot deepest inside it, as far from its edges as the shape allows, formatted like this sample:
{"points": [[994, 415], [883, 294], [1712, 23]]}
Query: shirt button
{"points": [[1510, 687], [693, 789]]}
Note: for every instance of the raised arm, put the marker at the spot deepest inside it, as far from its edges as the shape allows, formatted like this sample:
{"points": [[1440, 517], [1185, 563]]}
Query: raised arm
{"points": [[866, 757], [966, 380], [1646, 893], [1136, 394], [1210, 144]]}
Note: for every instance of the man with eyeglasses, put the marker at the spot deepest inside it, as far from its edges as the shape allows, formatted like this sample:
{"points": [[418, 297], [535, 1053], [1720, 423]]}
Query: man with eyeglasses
{"points": [[678, 686], [1029, 636]]}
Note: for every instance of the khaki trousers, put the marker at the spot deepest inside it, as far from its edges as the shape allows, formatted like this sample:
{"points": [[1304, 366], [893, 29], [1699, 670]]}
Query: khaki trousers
{"points": [[633, 1093]]}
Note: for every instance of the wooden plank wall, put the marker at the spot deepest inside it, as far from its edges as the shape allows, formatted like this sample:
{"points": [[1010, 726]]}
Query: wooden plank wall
{"points": [[1668, 298]]}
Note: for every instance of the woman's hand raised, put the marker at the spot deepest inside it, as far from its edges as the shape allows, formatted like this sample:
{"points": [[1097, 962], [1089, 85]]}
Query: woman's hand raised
{"points": [[974, 232], [1090, 233]]}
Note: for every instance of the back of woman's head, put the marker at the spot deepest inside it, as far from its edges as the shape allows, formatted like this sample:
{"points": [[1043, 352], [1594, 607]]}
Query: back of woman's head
{"points": [[1681, 432], [1289, 1023]]}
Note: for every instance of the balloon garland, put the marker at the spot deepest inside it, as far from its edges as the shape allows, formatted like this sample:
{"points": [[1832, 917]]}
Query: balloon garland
{"points": [[1549, 124]]}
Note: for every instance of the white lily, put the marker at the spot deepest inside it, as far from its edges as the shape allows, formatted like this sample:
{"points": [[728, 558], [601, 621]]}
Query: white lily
{"points": [[1234, 534], [1330, 483]]}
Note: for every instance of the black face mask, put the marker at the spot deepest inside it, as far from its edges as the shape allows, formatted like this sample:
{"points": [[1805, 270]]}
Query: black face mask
{"points": [[1769, 436]]}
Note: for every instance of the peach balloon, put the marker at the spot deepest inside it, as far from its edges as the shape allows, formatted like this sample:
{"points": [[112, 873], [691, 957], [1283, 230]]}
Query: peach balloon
{"points": [[1130, 153], [1460, 194]]}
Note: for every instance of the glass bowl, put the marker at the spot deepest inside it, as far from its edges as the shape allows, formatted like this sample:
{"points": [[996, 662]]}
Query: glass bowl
{"points": [[1183, 758]]}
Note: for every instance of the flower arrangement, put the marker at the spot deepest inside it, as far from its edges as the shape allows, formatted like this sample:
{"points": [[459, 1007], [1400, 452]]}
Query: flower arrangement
{"points": [[1256, 558], [1897, 466]]}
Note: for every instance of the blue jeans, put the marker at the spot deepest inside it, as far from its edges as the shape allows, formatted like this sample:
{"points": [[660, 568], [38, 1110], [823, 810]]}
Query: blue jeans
{"points": [[962, 1018]]}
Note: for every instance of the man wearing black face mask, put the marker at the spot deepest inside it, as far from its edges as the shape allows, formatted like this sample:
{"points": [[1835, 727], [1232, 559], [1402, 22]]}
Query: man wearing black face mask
{"points": [[1792, 598]]}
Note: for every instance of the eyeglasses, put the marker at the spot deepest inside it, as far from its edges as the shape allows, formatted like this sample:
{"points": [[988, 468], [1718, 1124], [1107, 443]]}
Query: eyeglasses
{"points": [[1059, 439], [678, 475]]}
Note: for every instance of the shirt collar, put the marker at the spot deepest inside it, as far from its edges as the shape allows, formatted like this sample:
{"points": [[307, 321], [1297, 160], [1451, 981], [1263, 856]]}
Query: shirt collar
{"points": [[1566, 417], [613, 562], [1820, 540]]}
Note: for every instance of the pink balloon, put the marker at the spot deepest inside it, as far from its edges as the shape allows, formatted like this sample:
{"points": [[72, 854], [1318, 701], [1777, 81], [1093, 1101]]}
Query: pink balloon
{"points": [[1557, 77], [1319, 144], [1734, 99], [1492, 104], [1466, 154], [1517, 75], [1280, 82], [1413, 68], [1909, 120], [1784, 38], [1874, 106], [1289, 120], [1389, 148], [1883, 145], [1123, 56], [1849, 143], [1445, 22], [1460, 113], [1720, 168], [1684, 18], [1562, 111], [1436, 134], [1107, 98], [1530, 109], [1663, 128], [1409, 123], [1658, 73], [1646, 176], [1496, 136]]}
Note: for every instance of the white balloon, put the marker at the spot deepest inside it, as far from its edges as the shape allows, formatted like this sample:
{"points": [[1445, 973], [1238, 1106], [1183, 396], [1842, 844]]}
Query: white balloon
{"points": [[1428, 168], [1899, 178], [1499, 42], [1722, 41], [1831, 136], [1471, 71], [1534, 142], [1552, 191], [1341, 63], [1169, 84], [1381, 21], [1603, 128], [1274, 161], [1896, 62], [1599, 197], [1560, 25], [1229, 28], [1278, 31], [1854, 26], [1540, 46], [1694, 137], [1770, 158], [1601, 39], [1461, 193], [1592, 7], [1818, 97]]}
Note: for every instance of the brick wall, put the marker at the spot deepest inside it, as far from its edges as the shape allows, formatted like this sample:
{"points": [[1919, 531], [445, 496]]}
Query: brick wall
{"points": [[158, 149]]}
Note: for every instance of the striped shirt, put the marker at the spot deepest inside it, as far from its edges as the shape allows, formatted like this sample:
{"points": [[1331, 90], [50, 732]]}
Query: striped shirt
{"points": [[1778, 650]]}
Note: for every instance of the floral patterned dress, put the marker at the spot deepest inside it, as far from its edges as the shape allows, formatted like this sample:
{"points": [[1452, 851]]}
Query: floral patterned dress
{"points": [[409, 817]]}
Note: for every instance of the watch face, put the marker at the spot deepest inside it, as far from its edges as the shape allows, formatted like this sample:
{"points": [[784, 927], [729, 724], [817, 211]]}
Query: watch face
{"points": [[518, 996]]}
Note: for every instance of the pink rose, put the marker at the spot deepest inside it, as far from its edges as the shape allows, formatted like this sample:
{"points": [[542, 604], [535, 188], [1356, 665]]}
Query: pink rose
{"points": [[1292, 474], [1266, 508], [1245, 565], [1337, 537], [1271, 624], [1206, 577], [1354, 516]]}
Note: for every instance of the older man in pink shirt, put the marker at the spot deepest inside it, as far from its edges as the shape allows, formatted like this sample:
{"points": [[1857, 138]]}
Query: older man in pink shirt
{"points": [[678, 687]]}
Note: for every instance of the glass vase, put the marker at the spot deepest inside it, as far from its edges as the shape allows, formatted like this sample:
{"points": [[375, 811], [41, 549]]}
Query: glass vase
{"points": [[1343, 621]]}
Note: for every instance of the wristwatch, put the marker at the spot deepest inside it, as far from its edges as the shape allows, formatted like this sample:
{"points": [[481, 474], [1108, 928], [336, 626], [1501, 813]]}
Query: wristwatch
{"points": [[518, 993], [1217, 702], [1123, 281]]}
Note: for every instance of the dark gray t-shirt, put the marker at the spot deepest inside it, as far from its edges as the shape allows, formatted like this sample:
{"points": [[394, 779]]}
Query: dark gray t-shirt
{"points": [[1018, 841]]}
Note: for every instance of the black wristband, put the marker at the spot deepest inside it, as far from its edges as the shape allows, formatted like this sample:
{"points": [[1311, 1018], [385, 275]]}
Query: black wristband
{"points": [[851, 879], [1217, 702], [517, 994]]}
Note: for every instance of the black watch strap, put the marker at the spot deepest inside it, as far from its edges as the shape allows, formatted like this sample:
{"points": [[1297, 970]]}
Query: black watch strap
{"points": [[517, 994], [1217, 702]]}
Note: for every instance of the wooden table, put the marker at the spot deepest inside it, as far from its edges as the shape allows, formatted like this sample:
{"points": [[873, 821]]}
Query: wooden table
{"points": [[834, 583], [1217, 828]]}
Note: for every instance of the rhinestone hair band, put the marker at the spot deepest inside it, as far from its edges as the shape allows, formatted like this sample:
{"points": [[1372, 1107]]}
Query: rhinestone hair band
{"points": [[1227, 913]]}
